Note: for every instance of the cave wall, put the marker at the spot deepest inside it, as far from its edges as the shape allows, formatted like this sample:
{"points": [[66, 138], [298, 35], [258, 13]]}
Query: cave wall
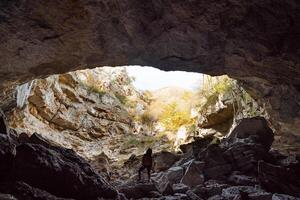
{"points": [[256, 42]]}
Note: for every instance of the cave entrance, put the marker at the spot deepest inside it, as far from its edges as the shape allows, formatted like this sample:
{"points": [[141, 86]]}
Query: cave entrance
{"points": [[111, 115]]}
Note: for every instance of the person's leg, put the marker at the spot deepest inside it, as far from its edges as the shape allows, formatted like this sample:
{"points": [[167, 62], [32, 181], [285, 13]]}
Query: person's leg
{"points": [[149, 171], [140, 170]]}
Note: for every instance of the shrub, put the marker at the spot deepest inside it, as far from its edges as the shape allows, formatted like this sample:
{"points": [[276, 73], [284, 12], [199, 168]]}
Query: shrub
{"points": [[96, 89], [213, 87], [123, 99], [147, 118], [172, 118]]}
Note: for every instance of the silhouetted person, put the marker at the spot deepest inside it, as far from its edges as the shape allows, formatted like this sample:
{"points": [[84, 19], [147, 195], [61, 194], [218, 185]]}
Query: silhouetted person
{"points": [[146, 163]]}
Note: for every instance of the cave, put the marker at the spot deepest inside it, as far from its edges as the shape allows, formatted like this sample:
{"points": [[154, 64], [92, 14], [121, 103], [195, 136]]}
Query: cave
{"points": [[256, 43]]}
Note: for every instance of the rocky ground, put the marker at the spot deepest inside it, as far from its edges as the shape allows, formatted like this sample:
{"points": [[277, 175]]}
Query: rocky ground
{"points": [[242, 166], [69, 142]]}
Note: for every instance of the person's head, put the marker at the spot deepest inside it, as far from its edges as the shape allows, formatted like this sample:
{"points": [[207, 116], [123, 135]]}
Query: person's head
{"points": [[149, 151]]}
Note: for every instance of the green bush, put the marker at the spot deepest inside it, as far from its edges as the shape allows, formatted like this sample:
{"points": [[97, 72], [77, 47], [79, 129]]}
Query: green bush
{"points": [[213, 87], [95, 89], [123, 99], [172, 118]]}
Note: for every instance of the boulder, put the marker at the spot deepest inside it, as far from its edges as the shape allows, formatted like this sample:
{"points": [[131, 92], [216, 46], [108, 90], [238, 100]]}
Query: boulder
{"points": [[216, 197], [284, 197], [256, 129], [138, 190], [164, 160], [181, 196], [101, 164], [174, 174], [57, 168], [244, 156], [194, 174], [163, 184], [218, 114], [23, 191], [242, 179], [217, 165], [200, 190], [280, 179], [233, 191], [261, 196], [180, 188], [192, 195], [214, 189]]}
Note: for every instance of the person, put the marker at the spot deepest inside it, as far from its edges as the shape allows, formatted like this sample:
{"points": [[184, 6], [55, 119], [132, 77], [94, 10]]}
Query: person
{"points": [[146, 163]]}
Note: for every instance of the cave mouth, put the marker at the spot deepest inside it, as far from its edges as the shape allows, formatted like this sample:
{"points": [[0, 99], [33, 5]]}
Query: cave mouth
{"points": [[95, 125], [111, 115]]}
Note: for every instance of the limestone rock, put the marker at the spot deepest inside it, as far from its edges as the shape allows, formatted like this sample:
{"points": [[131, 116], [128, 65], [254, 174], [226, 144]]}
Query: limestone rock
{"points": [[164, 160], [283, 197], [59, 167], [217, 165], [162, 183], [256, 129], [192, 195], [180, 188], [242, 179], [216, 197], [279, 179], [231, 192], [219, 113], [174, 174], [214, 189], [193, 175], [80, 110], [138, 190]]}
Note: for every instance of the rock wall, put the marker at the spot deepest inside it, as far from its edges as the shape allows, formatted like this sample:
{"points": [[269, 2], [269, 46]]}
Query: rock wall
{"points": [[223, 104], [76, 115]]}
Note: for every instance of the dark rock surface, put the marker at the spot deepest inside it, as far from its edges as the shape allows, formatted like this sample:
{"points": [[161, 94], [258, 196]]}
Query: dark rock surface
{"points": [[57, 168], [262, 175], [7, 154], [23, 191], [139, 190], [164, 160], [209, 36], [256, 129], [276, 178], [42, 171]]}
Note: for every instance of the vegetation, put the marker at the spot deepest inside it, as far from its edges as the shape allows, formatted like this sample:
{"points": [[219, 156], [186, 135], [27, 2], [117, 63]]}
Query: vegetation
{"points": [[172, 118], [147, 118], [212, 88], [95, 89], [123, 99], [244, 104]]}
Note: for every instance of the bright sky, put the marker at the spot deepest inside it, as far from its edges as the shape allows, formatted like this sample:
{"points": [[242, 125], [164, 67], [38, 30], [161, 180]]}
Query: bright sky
{"points": [[149, 78]]}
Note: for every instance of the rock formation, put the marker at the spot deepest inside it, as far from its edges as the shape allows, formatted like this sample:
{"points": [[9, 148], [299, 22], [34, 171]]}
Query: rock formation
{"points": [[76, 115], [255, 42], [35, 169], [239, 167]]}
